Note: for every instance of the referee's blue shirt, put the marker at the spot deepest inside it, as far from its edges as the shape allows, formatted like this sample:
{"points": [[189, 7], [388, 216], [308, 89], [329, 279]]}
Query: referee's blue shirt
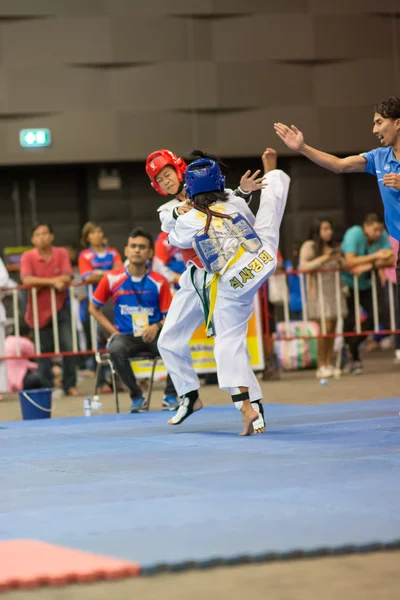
{"points": [[380, 162]]}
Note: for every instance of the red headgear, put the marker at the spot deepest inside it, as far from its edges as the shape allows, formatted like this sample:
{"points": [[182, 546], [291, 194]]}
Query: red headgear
{"points": [[159, 159]]}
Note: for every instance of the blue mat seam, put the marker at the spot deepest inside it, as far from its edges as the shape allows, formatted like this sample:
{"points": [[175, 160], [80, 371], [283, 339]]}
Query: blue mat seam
{"points": [[267, 557]]}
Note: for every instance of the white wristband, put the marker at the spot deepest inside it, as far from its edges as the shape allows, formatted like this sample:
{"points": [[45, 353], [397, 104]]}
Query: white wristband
{"points": [[243, 192]]}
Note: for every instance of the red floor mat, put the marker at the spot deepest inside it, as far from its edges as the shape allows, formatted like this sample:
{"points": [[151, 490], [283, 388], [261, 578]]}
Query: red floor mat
{"points": [[29, 564]]}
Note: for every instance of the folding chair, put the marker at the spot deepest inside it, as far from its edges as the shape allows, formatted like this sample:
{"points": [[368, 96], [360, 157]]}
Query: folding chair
{"points": [[104, 359], [154, 360]]}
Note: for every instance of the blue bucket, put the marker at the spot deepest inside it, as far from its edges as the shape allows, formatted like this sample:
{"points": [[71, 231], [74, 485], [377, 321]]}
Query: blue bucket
{"points": [[35, 404]]}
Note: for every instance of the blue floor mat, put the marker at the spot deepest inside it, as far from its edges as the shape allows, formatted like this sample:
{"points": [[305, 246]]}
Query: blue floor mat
{"points": [[133, 487]]}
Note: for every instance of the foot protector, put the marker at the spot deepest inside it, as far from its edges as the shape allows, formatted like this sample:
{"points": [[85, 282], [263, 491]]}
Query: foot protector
{"points": [[258, 425], [184, 411]]}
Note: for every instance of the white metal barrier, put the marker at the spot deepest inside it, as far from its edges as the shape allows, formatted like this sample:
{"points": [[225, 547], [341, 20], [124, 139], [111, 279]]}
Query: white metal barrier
{"points": [[16, 316], [339, 294], [285, 302]]}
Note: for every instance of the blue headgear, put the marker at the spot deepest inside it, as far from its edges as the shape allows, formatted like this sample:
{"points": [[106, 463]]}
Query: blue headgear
{"points": [[203, 175]]}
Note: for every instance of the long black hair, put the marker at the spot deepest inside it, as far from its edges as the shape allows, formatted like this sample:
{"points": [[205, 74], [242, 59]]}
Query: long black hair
{"points": [[208, 198], [315, 235]]}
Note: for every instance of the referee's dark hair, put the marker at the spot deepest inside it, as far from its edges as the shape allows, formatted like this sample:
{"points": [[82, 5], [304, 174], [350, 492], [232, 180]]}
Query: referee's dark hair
{"points": [[389, 109]]}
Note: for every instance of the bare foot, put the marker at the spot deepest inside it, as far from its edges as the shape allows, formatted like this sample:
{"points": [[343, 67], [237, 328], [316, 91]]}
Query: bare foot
{"points": [[249, 415], [177, 418], [269, 160]]}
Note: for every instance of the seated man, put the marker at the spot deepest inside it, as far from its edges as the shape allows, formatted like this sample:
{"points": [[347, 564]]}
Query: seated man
{"points": [[141, 300], [366, 248]]}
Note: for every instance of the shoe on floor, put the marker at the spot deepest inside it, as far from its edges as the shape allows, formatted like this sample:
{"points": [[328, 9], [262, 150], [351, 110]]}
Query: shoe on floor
{"points": [[138, 405], [354, 368], [358, 368], [170, 403], [324, 372]]}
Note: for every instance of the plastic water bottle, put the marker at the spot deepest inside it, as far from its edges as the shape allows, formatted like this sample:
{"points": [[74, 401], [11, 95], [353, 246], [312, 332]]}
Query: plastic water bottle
{"points": [[97, 405], [87, 407]]}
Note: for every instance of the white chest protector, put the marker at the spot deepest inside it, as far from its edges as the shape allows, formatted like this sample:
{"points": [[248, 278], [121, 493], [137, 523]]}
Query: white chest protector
{"points": [[221, 243]]}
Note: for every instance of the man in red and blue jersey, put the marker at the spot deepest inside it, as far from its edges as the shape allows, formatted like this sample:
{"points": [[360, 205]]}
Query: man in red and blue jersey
{"points": [[141, 299]]}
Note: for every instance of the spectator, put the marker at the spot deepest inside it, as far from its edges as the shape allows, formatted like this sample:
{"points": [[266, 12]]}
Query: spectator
{"points": [[168, 260], [319, 253], [293, 282], [5, 282], [45, 267], [97, 258], [277, 288], [95, 261], [365, 248], [22, 373], [141, 301]]}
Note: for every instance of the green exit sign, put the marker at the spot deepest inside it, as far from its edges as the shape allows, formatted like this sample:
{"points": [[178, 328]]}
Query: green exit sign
{"points": [[35, 138]]}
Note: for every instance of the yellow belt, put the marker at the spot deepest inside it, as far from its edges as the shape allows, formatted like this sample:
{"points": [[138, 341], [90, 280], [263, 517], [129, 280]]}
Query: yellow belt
{"points": [[213, 285]]}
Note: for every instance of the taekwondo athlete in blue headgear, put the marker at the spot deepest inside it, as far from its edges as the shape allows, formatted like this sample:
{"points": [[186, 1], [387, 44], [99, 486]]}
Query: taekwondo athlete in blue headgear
{"points": [[238, 252]]}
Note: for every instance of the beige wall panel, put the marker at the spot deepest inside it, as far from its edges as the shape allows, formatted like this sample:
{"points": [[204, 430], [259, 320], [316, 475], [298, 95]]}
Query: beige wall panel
{"points": [[50, 88], [159, 7], [354, 83], [142, 133], [262, 37], [123, 76], [355, 7], [205, 134], [346, 130], [203, 7], [3, 136], [4, 91], [56, 40], [352, 36], [26, 7], [260, 6], [262, 83], [200, 42], [140, 38], [251, 132], [51, 7], [164, 86], [77, 137]]}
